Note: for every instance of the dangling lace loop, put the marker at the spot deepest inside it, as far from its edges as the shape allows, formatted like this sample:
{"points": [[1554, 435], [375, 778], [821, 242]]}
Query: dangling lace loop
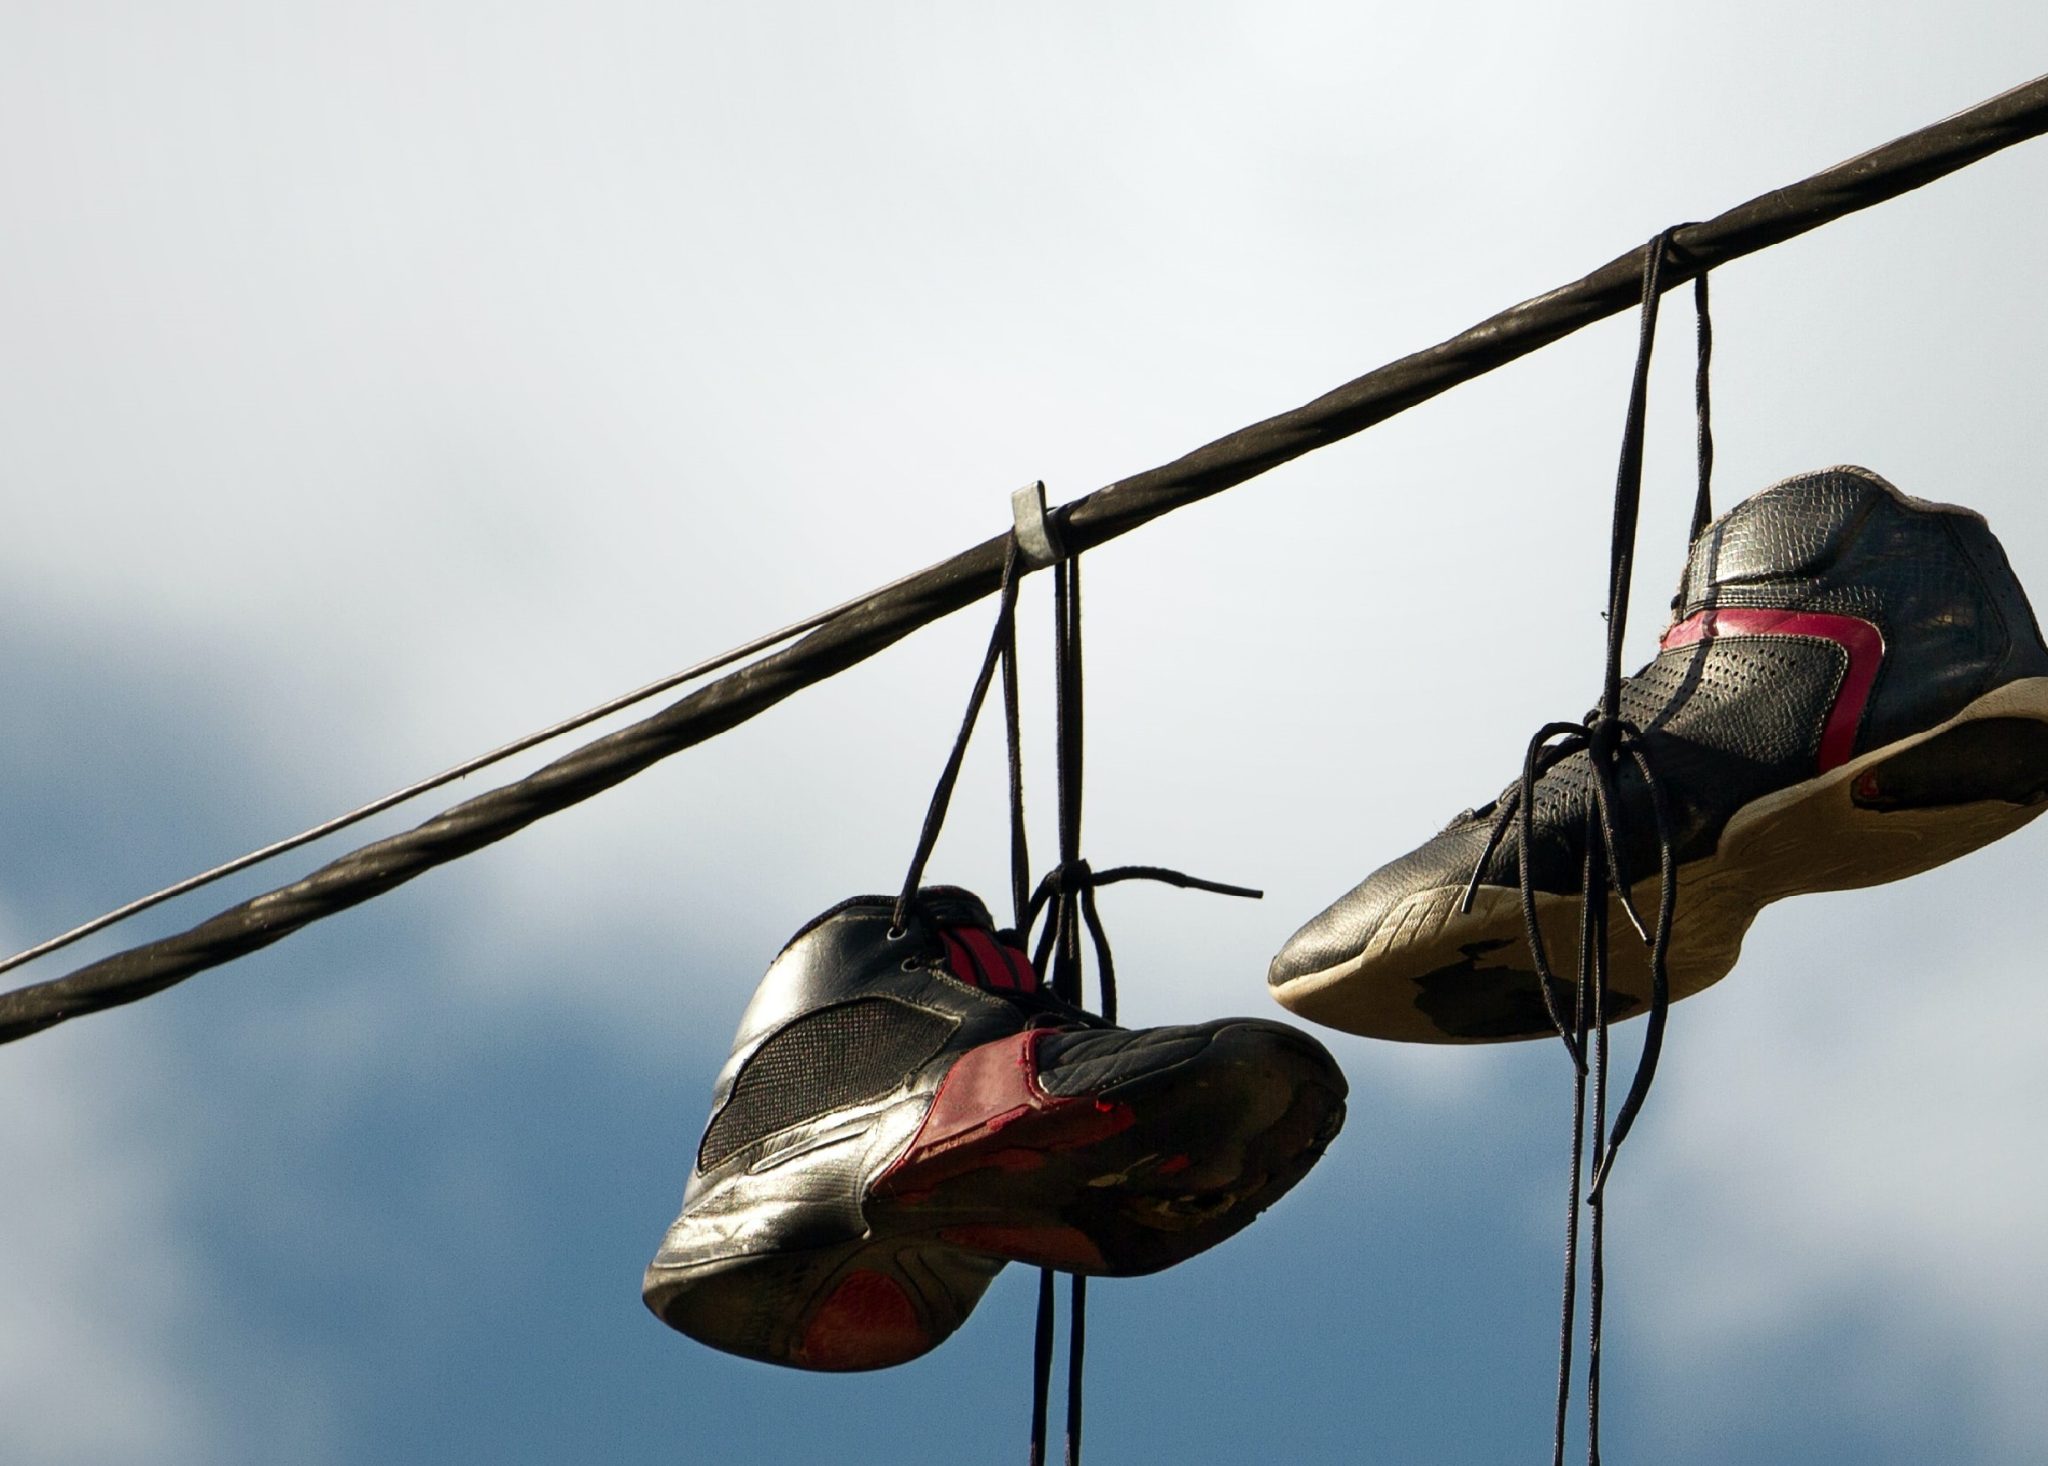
{"points": [[1612, 747], [1060, 893], [1065, 895], [1041, 1365], [1002, 648], [1002, 652]]}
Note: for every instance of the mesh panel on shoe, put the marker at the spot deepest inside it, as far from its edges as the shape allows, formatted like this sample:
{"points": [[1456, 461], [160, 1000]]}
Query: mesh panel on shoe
{"points": [[1726, 721], [843, 1055], [1763, 698], [1750, 708]]}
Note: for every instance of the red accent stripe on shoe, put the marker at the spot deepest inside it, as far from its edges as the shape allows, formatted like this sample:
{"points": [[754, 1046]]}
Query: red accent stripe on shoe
{"points": [[1020, 966], [990, 1114], [960, 962], [988, 958], [977, 958], [1862, 641]]}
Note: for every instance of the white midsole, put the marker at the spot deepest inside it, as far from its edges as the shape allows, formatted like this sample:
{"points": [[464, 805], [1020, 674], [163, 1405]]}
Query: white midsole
{"points": [[1809, 837]]}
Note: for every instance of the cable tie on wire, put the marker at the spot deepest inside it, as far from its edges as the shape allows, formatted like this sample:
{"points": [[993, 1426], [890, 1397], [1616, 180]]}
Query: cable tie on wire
{"points": [[1038, 541]]}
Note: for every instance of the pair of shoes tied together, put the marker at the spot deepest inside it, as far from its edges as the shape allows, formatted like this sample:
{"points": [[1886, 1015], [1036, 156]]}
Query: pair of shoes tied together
{"points": [[906, 1109], [1853, 689]]}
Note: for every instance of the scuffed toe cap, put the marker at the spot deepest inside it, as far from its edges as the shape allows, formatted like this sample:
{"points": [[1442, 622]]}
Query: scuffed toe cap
{"points": [[1343, 932], [1331, 939]]}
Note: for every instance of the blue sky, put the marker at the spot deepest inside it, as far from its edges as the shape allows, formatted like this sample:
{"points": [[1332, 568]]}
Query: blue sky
{"points": [[384, 382]]}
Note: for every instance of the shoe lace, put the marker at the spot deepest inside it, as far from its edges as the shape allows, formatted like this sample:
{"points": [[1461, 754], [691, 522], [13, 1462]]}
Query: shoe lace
{"points": [[1065, 897], [1610, 744], [1071, 886]]}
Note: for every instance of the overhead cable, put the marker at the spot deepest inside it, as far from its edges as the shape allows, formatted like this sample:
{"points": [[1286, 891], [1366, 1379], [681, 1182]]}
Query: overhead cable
{"points": [[447, 776], [872, 622]]}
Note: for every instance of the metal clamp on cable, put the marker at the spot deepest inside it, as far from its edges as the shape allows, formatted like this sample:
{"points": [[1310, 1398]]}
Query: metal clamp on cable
{"points": [[1038, 543]]}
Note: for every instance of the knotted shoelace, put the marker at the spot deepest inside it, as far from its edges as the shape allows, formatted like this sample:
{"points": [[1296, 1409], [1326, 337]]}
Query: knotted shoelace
{"points": [[1065, 897], [1610, 743]]}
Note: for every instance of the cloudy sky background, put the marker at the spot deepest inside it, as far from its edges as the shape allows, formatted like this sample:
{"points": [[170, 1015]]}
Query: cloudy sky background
{"points": [[380, 383]]}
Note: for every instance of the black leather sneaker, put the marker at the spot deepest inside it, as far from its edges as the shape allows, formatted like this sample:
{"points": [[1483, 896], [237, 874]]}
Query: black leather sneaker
{"points": [[907, 1110], [1853, 689]]}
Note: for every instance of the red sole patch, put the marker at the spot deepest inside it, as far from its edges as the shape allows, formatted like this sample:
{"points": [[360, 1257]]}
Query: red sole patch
{"points": [[868, 1322]]}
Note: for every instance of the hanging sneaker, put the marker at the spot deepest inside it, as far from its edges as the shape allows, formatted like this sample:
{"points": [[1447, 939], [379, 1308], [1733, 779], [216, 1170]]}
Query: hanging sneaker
{"points": [[906, 1111], [1853, 689]]}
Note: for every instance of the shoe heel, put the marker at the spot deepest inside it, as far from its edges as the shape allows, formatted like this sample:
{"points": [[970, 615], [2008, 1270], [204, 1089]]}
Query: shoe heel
{"points": [[840, 1309], [1991, 759]]}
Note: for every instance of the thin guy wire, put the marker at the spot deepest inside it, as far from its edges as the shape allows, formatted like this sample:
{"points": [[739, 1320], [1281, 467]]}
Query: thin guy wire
{"points": [[447, 776]]}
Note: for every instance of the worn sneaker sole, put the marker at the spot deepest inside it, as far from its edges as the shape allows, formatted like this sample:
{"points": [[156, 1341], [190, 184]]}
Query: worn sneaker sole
{"points": [[852, 1305], [1126, 1179], [1431, 975], [1000, 1171]]}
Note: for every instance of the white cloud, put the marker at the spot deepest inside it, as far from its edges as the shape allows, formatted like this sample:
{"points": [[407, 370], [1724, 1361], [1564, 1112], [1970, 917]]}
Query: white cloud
{"points": [[1848, 1130], [95, 1269]]}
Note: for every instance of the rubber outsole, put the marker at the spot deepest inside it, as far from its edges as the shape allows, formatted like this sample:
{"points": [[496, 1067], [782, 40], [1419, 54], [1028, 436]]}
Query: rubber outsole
{"points": [[866, 1304], [1132, 1178], [1124, 1180], [1431, 974]]}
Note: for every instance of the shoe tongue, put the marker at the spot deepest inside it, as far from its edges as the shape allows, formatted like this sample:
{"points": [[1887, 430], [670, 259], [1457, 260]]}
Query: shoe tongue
{"points": [[977, 957], [948, 906]]}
